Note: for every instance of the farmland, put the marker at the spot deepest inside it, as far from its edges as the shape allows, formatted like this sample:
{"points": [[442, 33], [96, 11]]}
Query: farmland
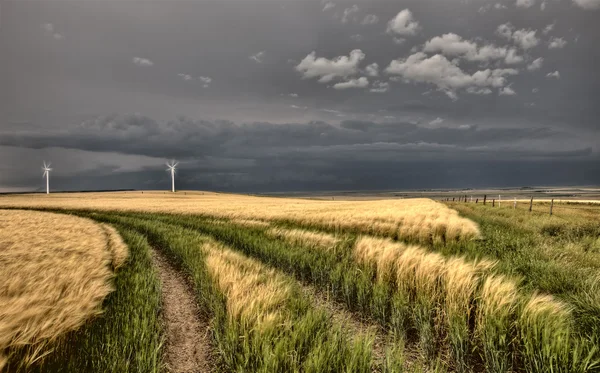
{"points": [[296, 285]]}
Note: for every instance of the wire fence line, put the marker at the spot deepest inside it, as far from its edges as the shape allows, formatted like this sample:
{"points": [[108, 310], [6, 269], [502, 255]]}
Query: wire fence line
{"points": [[539, 207]]}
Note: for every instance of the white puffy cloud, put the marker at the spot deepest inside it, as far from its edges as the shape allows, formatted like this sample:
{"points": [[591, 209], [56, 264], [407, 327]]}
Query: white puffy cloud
{"points": [[398, 41], [370, 19], [350, 14], [505, 30], [557, 43], [535, 64], [451, 94], [142, 61], [588, 4], [451, 45], [555, 74], [526, 39], [357, 37], [258, 57], [535, 90], [299, 107], [185, 76], [436, 121], [507, 91], [548, 28], [525, 3], [328, 6], [543, 6], [48, 27], [206, 80], [372, 69], [512, 58], [403, 24], [455, 46], [487, 7], [446, 75], [294, 95], [361, 82], [326, 70], [479, 91], [380, 87]]}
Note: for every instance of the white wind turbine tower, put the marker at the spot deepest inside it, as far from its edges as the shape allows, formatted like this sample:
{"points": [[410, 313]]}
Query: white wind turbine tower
{"points": [[47, 170], [171, 167]]}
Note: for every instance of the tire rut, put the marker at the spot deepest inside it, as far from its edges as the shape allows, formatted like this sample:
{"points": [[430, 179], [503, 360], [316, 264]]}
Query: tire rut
{"points": [[187, 347]]}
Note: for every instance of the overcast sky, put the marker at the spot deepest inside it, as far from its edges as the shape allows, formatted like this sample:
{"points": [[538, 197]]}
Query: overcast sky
{"points": [[257, 95]]}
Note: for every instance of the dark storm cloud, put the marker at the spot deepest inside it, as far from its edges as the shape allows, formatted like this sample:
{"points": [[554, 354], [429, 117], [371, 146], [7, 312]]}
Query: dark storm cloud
{"points": [[187, 138], [218, 86]]}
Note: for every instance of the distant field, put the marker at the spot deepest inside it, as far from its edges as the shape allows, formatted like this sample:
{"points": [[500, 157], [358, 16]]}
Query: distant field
{"points": [[417, 219], [404, 285]]}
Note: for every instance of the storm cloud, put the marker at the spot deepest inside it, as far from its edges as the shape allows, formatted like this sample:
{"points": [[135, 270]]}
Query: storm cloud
{"points": [[268, 95]]}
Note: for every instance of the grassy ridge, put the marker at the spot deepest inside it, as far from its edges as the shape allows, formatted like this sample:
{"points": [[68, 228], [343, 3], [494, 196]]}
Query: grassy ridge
{"points": [[285, 334], [535, 334], [127, 337], [558, 254]]}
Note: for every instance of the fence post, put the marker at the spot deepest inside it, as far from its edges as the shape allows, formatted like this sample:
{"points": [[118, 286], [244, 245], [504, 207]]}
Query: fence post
{"points": [[477, 200], [484, 198], [493, 202], [499, 199], [453, 199], [531, 204], [551, 206]]}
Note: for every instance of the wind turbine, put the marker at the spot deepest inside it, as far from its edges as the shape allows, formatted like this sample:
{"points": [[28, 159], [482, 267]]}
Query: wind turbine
{"points": [[171, 167], [47, 170]]}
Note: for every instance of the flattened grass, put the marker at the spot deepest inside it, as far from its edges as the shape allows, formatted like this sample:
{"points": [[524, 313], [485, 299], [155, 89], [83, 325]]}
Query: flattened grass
{"points": [[55, 272], [126, 337]]}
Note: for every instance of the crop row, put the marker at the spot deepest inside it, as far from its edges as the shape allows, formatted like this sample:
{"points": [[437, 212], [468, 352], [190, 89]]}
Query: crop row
{"points": [[261, 319], [450, 306]]}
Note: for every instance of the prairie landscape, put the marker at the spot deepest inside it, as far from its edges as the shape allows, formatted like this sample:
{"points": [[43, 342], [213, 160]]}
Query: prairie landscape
{"points": [[210, 282]]}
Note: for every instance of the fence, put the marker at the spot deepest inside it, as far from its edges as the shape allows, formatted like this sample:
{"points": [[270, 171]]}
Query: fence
{"points": [[544, 206]]}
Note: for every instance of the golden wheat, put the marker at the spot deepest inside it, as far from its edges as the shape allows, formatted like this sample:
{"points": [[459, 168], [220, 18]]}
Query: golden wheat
{"points": [[497, 306], [116, 246], [254, 294], [304, 237], [251, 223], [54, 274], [414, 219], [461, 281]]}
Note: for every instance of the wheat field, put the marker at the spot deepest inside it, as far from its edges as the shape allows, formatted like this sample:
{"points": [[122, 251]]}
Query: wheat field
{"points": [[55, 270], [420, 219], [486, 290]]}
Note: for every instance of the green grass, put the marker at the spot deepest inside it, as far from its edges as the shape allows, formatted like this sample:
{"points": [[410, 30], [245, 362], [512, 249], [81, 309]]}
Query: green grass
{"points": [[307, 341], [551, 254], [127, 337], [410, 315]]}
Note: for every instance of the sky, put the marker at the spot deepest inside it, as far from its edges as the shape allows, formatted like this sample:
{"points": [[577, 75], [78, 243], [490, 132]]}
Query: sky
{"points": [[299, 95]]}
